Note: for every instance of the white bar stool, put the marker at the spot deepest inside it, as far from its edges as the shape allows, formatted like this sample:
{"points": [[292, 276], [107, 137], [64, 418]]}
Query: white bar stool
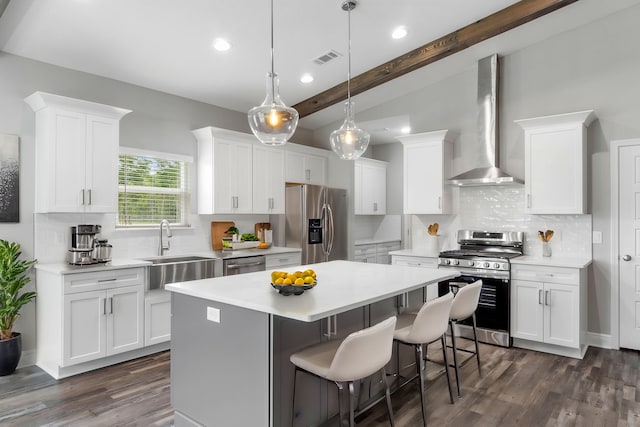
{"points": [[426, 326], [358, 356], [464, 306]]}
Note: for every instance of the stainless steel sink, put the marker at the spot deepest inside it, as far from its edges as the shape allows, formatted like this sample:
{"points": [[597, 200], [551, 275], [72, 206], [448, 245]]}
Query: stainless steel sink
{"points": [[172, 269]]}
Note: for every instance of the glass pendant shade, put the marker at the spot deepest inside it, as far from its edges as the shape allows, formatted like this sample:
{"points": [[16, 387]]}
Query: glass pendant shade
{"points": [[349, 141], [272, 122]]}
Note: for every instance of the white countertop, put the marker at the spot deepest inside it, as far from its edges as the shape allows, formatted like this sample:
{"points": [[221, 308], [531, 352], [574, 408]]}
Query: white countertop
{"points": [[360, 242], [415, 252], [552, 261], [116, 263], [342, 285]]}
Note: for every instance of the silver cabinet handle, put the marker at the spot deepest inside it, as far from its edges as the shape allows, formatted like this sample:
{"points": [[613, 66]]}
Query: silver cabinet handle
{"points": [[236, 266], [546, 297], [307, 174], [111, 305], [375, 207], [89, 196], [540, 296], [83, 202], [626, 258], [104, 306], [528, 200], [113, 279], [439, 202]]}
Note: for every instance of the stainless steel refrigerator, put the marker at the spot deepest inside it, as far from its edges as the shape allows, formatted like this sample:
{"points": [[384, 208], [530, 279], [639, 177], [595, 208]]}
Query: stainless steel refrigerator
{"points": [[316, 222]]}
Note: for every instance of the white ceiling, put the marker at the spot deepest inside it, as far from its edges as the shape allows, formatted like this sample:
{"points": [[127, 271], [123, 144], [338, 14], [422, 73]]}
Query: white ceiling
{"points": [[166, 44]]}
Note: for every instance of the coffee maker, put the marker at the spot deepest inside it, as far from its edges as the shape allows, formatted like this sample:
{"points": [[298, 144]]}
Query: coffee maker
{"points": [[82, 244]]}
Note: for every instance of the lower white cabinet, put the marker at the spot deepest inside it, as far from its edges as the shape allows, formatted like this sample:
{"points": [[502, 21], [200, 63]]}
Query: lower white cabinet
{"points": [[377, 253], [157, 317], [422, 262], [548, 309], [87, 320], [289, 259]]}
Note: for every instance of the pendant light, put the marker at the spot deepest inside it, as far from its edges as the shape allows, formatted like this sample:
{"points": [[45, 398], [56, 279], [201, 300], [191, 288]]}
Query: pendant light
{"points": [[349, 142], [272, 122]]}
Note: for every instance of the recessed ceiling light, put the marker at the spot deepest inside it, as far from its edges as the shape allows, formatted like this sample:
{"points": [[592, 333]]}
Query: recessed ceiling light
{"points": [[406, 130], [306, 78], [399, 32], [221, 45]]}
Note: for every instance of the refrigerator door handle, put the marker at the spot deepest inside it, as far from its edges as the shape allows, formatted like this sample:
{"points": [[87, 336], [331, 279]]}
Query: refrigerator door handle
{"points": [[327, 243]]}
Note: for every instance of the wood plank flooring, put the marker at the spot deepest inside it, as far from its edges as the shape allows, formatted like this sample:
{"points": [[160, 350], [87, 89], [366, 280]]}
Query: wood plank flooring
{"points": [[517, 388]]}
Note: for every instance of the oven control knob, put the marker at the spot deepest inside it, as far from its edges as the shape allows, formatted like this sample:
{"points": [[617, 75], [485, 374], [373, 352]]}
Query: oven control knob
{"points": [[447, 262], [496, 266], [471, 263], [486, 265], [455, 262]]}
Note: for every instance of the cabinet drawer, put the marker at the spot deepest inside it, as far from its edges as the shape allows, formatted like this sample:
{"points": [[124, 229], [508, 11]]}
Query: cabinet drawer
{"points": [[364, 250], [283, 260], [101, 280], [564, 275], [388, 246], [412, 261]]}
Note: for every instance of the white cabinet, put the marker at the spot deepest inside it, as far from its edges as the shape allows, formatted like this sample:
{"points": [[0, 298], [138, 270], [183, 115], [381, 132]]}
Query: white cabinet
{"points": [[366, 253], [422, 262], [548, 309], [77, 145], [288, 259], [268, 180], [83, 318], [370, 187], [377, 253], [556, 163], [225, 171], [157, 317], [305, 168], [427, 166]]}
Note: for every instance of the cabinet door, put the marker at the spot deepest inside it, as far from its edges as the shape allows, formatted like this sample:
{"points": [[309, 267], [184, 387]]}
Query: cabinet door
{"points": [[232, 177], [125, 319], [315, 170], [374, 189], [357, 188], [157, 319], [84, 332], [295, 167], [527, 299], [423, 172], [554, 170], [67, 162], [268, 180], [242, 177], [102, 164], [562, 315]]}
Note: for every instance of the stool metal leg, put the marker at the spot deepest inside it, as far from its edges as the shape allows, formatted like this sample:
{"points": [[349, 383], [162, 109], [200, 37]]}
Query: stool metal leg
{"points": [[340, 402], [420, 368], [352, 404], [388, 394], [475, 338], [455, 356], [293, 405], [446, 365]]}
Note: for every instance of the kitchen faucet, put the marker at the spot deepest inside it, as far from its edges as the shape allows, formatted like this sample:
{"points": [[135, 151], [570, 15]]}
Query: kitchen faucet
{"points": [[162, 247]]}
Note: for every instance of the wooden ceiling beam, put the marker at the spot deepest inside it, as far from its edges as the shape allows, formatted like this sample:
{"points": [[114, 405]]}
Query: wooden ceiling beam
{"points": [[497, 23]]}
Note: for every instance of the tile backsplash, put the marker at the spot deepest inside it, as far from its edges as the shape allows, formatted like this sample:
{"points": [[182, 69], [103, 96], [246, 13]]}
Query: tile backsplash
{"points": [[502, 208]]}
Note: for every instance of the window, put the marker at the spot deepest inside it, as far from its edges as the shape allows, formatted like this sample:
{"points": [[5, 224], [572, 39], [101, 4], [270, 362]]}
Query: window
{"points": [[152, 187]]}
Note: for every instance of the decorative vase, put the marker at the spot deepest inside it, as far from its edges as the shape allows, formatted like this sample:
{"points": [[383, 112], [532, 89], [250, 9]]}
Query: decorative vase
{"points": [[546, 249], [10, 352]]}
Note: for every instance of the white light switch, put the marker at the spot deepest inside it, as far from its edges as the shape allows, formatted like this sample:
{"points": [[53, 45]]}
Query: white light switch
{"points": [[597, 237], [213, 314]]}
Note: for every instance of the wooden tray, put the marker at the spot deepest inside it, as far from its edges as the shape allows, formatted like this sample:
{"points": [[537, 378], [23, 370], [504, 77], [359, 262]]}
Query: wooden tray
{"points": [[218, 231]]}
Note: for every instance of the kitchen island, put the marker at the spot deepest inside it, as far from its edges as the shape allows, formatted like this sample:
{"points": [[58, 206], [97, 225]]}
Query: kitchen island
{"points": [[232, 337]]}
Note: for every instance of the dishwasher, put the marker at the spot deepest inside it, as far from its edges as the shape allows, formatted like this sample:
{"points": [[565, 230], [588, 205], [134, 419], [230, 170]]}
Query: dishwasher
{"points": [[249, 264]]}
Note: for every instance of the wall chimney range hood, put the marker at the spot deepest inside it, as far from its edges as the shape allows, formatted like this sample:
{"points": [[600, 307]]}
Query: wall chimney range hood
{"points": [[487, 171]]}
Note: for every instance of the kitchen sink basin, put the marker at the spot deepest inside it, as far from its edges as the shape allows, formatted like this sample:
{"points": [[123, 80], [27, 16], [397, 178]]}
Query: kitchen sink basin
{"points": [[172, 269]]}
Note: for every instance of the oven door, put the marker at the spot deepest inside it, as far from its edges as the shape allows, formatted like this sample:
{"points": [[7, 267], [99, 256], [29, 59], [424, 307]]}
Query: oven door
{"points": [[493, 312]]}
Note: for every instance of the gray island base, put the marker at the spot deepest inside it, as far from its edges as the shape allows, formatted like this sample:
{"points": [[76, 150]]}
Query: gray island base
{"points": [[232, 337]]}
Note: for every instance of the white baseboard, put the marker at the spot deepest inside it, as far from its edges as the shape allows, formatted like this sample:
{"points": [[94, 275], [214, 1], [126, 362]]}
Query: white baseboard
{"points": [[27, 358], [600, 340]]}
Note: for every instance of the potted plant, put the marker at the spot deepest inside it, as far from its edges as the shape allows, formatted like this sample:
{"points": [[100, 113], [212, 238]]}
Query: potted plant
{"points": [[13, 277]]}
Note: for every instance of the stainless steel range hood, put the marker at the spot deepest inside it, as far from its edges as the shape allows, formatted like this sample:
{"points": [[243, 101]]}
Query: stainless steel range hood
{"points": [[487, 171]]}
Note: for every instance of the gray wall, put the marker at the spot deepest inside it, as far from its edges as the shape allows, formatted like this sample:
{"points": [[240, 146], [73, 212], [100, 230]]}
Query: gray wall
{"points": [[593, 67]]}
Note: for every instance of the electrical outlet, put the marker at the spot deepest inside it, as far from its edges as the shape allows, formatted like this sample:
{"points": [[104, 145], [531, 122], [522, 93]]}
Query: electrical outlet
{"points": [[213, 314], [597, 237]]}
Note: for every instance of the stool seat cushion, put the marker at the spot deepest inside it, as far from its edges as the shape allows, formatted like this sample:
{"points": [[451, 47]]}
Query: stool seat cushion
{"points": [[316, 359]]}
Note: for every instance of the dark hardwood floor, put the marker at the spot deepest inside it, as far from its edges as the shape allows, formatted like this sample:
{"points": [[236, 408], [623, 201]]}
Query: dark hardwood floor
{"points": [[517, 388]]}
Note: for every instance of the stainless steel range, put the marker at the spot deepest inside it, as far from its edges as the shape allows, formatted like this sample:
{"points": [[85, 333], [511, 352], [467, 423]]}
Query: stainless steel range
{"points": [[485, 255]]}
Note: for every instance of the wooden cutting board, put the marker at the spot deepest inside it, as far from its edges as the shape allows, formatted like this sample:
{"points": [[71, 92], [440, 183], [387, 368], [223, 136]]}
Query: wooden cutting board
{"points": [[218, 231]]}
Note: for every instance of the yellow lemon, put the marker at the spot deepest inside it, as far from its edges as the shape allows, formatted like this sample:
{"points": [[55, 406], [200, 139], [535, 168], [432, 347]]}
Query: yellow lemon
{"points": [[308, 280], [279, 281], [298, 273], [292, 277], [287, 281], [299, 281], [275, 275]]}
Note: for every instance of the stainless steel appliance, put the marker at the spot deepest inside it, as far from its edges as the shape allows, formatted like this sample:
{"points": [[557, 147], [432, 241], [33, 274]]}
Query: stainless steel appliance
{"points": [[243, 265], [316, 222], [82, 244], [102, 250], [485, 255]]}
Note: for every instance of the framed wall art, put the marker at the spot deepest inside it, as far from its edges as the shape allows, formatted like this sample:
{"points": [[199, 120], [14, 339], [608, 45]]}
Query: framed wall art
{"points": [[9, 178]]}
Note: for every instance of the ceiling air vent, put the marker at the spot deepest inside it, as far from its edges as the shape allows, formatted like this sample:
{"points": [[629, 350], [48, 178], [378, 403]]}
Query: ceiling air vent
{"points": [[326, 57]]}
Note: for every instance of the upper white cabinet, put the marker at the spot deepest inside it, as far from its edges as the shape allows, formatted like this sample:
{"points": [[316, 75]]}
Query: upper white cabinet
{"points": [[556, 163], [427, 166], [305, 167], [370, 185], [268, 180], [77, 145], [225, 171]]}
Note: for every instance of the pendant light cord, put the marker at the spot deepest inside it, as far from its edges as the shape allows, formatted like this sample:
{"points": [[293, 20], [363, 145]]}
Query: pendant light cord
{"points": [[349, 73], [273, 74]]}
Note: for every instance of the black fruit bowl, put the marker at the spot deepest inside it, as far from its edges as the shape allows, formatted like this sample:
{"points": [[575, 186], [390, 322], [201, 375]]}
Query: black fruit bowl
{"points": [[287, 290]]}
